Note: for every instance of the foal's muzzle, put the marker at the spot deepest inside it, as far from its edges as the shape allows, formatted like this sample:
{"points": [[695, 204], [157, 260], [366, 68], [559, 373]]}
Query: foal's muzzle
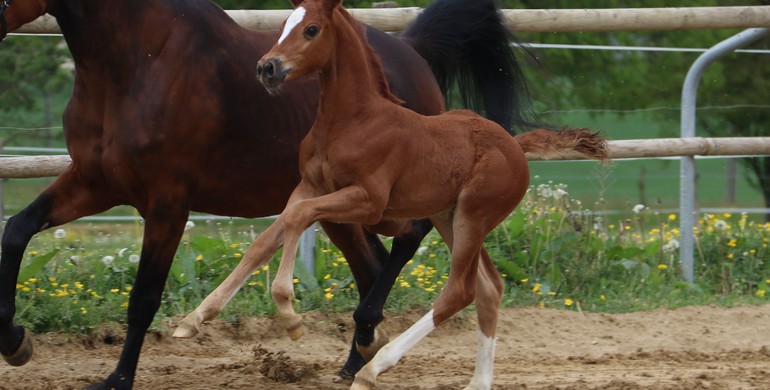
{"points": [[272, 73]]}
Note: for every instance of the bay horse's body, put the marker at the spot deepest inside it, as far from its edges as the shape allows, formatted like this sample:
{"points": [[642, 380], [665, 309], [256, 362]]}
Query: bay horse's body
{"points": [[368, 160], [166, 116]]}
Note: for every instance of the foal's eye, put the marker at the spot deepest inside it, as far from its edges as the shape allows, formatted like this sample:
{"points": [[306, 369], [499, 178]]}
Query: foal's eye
{"points": [[312, 31]]}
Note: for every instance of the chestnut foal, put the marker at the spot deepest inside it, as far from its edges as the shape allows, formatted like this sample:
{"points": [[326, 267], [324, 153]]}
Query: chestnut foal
{"points": [[368, 160]]}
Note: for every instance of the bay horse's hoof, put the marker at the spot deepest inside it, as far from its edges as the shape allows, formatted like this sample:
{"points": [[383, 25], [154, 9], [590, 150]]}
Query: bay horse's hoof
{"points": [[380, 339], [188, 327], [23, 354]]}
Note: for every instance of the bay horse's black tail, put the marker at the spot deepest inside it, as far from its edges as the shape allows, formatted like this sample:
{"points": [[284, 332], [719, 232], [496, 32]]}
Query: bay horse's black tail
{"points": [[466, 42]]}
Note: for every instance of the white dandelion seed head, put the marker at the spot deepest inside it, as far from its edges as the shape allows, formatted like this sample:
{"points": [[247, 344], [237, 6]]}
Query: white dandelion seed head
{"points": [[720, 225], [189, 225], [108, 260], [134, 258], [59, 234], [638, 208], [671, 246]]}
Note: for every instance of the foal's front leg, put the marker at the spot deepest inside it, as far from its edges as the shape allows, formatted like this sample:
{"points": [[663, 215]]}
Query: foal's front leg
{"points": [[348, 205], [260, 252]]}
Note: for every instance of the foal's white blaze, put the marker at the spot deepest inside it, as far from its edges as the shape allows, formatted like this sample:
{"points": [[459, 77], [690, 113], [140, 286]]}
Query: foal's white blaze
{"points": [[294, 19], [485, 364], [390, 354]]}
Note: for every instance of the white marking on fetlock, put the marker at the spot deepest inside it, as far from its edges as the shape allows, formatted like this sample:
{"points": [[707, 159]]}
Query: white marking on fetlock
{"points": [[294, 19], [485, 364], [390, 354]]}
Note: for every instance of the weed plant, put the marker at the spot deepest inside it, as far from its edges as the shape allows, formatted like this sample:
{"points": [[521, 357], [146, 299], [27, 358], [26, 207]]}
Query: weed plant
{"points": [[552, 252]]}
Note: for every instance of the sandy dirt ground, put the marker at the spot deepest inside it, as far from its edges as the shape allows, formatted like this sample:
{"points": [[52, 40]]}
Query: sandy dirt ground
{"points": [[689, 348]]}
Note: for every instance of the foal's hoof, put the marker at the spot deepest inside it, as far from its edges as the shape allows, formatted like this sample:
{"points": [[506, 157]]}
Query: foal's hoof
{"points": [[188, 327], [296, 331], [361, 384], [380, 339], [292, 322], [23, 354]]}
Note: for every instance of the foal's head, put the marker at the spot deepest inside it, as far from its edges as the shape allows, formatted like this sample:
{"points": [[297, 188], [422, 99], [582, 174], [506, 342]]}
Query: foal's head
{"points": [[304, 46]]}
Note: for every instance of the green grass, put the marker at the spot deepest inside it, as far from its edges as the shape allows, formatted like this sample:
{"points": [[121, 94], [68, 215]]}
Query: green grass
{"points": [[551, 252]]}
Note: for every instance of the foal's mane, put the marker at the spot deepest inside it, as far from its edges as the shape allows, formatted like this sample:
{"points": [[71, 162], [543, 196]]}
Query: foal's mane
{"points": [[377, 74]]}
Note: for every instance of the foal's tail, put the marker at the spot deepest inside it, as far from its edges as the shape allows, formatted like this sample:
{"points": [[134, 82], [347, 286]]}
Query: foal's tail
{"points": [[466, 43], [549, 144]]}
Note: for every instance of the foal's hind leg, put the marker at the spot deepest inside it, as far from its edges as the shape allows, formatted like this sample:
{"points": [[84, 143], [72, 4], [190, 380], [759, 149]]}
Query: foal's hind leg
{"points": [[489, 294], [67, 199], [465, 241]]}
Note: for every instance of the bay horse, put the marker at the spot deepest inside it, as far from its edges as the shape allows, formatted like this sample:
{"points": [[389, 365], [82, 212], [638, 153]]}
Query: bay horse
{"points": [[368, 160], [166, 116]]}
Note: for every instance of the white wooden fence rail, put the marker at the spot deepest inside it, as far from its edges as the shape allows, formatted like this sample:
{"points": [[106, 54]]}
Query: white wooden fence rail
{"points": [[522, 20], [47, 166]]}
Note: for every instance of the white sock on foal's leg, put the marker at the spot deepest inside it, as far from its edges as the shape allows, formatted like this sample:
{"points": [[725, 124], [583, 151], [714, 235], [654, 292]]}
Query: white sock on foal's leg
{"points": [[392, 352], [485, 364]]}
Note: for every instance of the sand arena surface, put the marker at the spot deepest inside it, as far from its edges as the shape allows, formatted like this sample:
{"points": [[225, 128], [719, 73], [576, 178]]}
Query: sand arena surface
{"points": [[689, 348]]}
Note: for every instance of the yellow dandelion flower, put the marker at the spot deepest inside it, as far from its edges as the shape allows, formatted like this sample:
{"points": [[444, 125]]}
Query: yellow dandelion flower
{"points": [[199, 257], [266, 268], [760, 293], [327, 276], [732, 243], [329, 296], [25, 289], [352, 286], [603, 298], [568, 302], [124, 304], [237, 255], [84, 310], [295, 280], [114, 290], [672, 217], [51, 279], [730, 256], [252, 284], [525, 280], [536, 288], [33, 280], [78, 285], [662, 266]]}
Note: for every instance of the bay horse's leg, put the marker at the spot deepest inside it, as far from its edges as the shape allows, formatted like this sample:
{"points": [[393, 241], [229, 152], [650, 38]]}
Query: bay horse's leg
{"points": [[366, 256], [165, 218], [66, 199], [260, 252], [369, 312], [489, 294]]}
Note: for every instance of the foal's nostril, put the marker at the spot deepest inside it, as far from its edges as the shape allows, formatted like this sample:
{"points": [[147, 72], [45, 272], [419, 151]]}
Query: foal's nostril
{"points": [[269, 68], [259, 70]]}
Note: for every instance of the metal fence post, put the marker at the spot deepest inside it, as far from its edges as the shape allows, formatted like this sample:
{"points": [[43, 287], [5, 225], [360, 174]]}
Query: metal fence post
{"points": [[687, 172], [307, 249]]}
